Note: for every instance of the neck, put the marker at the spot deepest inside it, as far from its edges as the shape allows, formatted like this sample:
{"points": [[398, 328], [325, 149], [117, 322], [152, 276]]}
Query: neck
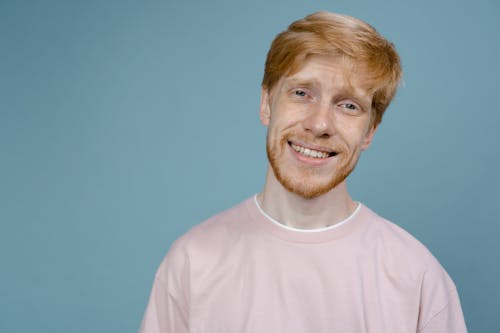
{"points": [[295, 211]]}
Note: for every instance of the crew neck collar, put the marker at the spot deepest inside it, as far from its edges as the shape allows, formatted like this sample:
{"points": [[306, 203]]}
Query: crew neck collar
{"points": [[319, 235]]}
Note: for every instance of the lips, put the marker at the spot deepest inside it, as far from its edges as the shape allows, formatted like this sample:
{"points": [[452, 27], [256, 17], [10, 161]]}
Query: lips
{"points": [[310, 152]]}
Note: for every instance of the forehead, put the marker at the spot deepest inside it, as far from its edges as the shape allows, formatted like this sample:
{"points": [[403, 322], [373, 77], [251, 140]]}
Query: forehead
{"points": [[330, 72]]}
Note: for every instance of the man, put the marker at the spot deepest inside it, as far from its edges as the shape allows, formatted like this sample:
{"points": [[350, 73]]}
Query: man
{"points": [[302, 256]]}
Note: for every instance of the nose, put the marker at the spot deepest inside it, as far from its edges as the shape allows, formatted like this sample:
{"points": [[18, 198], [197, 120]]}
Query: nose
{"points": [[319, 122]]}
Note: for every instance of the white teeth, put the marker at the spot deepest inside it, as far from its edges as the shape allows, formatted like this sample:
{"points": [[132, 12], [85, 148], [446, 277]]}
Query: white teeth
{"points": [[309, 152]]}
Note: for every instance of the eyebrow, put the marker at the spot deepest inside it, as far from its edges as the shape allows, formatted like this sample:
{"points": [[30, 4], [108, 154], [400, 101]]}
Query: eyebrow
{"points": [[302, 82]]}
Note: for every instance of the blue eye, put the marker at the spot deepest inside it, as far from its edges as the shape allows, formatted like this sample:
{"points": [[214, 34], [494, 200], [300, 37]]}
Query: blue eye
{"points": [[300, 93], [350, 106]]}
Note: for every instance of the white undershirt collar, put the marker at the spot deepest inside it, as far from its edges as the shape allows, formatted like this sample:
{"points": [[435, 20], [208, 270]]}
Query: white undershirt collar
{"points": [[336, 225]]}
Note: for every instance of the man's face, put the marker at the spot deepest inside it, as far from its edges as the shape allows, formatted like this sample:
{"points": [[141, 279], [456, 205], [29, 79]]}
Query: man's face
{"points": [[318, 123]]}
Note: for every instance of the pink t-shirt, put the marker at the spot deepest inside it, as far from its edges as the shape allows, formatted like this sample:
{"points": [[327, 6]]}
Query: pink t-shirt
{"points": [[241, 272]]}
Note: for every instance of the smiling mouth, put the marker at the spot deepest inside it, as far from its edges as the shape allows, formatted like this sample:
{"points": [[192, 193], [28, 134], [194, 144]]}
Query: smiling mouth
{"points": [[311, 153]]}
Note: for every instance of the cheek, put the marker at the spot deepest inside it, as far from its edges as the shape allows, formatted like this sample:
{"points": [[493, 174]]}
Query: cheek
{"points": [[278, 122], [355, 134], [273, 131], [287, 116]]}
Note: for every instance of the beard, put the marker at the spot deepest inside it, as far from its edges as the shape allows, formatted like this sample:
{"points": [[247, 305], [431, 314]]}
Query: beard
{"points": [[307, 182]]}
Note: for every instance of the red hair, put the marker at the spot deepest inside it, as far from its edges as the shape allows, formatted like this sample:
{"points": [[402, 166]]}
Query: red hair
{"points": [[356, 44]]}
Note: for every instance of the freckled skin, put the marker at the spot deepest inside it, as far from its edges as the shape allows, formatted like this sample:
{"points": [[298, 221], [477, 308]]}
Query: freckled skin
{"points": [[321, 108]]}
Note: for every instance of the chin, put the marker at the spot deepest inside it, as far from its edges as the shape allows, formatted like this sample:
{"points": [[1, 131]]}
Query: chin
{"points": [[307, 189]]}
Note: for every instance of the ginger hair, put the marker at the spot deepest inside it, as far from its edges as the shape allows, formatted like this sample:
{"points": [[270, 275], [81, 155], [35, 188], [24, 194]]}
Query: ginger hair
{"points": [[355, 44]]}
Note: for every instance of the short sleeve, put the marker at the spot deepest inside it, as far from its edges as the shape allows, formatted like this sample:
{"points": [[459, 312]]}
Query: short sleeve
{"points": [[168, 307], [449, 320], [440, 310]]}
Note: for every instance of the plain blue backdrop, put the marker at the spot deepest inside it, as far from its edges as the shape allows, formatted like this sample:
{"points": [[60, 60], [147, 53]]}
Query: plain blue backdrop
{"points": [[124, 123]]}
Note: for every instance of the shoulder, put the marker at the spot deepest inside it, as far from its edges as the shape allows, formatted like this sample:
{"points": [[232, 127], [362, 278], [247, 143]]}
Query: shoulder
{"points": [[409, 260], [397, 241], [402, 252], [218, 229], [205, 243]]}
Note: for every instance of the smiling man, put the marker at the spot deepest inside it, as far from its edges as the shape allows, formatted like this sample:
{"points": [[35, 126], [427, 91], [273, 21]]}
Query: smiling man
{"points": [[302, 255]]}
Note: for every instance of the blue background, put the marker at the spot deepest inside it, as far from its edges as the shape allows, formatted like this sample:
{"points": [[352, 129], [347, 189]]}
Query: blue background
{"points": [[124, 123]]}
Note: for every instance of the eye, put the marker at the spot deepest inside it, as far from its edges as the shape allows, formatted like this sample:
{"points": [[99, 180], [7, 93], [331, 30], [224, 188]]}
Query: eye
{"points": [[300, 93], [350, 107]]}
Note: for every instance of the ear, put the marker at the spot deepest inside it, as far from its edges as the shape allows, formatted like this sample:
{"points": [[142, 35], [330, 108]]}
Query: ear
{"points": [[265, 110], [369, 137]]}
